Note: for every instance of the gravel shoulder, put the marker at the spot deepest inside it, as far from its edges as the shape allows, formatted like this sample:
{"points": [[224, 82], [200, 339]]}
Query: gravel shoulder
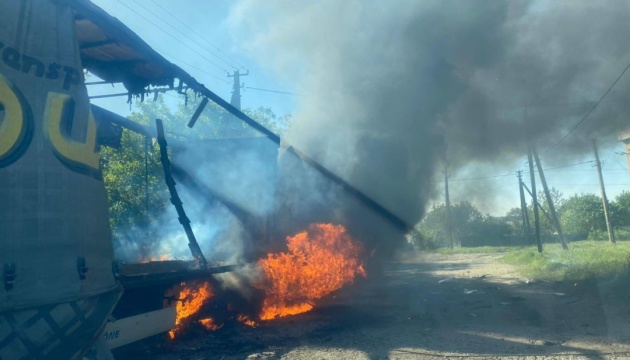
{"points": [[432, 306]]}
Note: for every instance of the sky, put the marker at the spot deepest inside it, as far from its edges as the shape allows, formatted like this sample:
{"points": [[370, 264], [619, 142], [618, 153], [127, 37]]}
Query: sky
{"points": [[173, 29], [207, 58]]}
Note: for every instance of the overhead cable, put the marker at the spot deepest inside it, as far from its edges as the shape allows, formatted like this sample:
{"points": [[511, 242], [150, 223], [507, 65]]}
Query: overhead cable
{"points": [[184, 34], [175, 38], [590, 111], [200, 36]]}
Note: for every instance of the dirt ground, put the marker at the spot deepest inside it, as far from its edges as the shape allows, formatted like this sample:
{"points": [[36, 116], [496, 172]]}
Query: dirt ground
{"points": [[432, 306]]}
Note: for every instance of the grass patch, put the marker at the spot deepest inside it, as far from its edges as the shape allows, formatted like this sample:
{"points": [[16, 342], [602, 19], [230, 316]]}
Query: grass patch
{"points": [[583, 260], [475, 250]]}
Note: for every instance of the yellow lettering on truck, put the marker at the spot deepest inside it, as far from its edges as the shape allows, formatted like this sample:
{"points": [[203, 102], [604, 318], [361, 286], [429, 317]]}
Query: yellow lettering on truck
{"points": [[69, 149]]}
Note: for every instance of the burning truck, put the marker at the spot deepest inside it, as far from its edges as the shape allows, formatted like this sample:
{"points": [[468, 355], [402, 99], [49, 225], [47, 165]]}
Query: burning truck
{"points": [[64, 295]]}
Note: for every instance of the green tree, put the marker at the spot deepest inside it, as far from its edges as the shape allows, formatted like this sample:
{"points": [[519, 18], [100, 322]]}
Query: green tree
{"points": [[581, 215], [489, 231], [547, 230], [266, 117], [463, 219], [620, 209], [470, 227], [135, 193], [514, 218]]}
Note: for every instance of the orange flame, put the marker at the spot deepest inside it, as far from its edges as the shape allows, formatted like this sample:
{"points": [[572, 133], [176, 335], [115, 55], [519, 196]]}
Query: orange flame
{"points": [[192, 299], [246, 320], [210, 324], [319, 261]]}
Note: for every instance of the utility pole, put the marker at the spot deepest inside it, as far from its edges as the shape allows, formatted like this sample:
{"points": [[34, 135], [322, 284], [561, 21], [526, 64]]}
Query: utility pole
{"points": [[552, 207], [447, 200], [598, 164], [236, 89], [526, 230], [542, 209], [535, 202]]}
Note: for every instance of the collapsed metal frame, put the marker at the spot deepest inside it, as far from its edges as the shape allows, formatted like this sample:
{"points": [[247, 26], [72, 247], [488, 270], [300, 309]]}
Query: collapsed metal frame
{"points": [[158, 133], [170, 170], [365, 199], [175, 200], [396, 220]]}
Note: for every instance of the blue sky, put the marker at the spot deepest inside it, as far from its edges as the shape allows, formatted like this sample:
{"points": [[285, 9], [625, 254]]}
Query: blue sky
{"points": [[226, 49], [217, 46]]}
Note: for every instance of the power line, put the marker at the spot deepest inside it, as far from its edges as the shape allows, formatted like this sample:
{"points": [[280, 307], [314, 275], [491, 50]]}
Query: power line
{"points": [[591, 110], [591, 184], [560, 104], [273, 91], [482, 178], [606, 171], [183, 33], [200, 36], [197, 68], [169, 34], [569, 165], [618, 162], [525, 172]]}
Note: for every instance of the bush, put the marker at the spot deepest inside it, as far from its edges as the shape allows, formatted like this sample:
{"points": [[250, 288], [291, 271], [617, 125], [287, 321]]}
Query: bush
{"points": [[603, 235], [583, 260], [422, 240]]}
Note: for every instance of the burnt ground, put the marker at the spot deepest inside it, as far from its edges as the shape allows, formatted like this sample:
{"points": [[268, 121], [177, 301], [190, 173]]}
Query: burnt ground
{"points": [[431, 306]]}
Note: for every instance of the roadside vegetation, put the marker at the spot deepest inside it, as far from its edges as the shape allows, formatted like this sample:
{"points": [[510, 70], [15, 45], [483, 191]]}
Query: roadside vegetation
{"points": [[584, 260], [590, 255], [581, 217]]}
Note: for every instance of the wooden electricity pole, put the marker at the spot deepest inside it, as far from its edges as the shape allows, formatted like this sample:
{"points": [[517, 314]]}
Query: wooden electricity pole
{"points": [[542, 209], [447, 200], [532, 176], [552, 207], [598, 164], [236, 88], [526, 229]]}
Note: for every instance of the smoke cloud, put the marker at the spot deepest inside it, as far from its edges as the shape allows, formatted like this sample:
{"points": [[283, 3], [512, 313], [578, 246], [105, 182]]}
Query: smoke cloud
{"points": [[392, 89]]}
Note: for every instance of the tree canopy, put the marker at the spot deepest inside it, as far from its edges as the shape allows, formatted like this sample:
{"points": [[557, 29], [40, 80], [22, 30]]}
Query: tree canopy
{"points": [[581, 215]]}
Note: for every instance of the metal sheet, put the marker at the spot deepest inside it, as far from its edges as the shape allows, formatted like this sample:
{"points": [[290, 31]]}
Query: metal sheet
{"points": [[55, 241], [125, 331], [53, 210]]}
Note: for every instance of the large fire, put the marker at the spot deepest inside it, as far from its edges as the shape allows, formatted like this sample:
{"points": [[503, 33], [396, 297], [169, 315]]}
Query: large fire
{"points": [[191, 299], [319, 261]]}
